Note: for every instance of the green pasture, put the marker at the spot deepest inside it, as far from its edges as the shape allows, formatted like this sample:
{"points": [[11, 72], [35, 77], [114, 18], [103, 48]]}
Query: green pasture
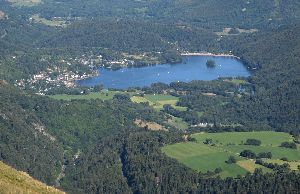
{"points": [[202, 157], [157, 101], [103, 95], [178, 123]]}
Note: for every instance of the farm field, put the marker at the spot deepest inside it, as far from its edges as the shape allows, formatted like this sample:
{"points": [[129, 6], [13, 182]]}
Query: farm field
{"points": [[178, 123], [203, 157], [54, 23], [157, 101], [293, 164], [103, 95]]}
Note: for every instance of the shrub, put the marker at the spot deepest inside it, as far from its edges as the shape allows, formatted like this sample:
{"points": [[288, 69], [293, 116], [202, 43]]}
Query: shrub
{"points": [[208, 141], [248, 154], [231, 160], [218, 170], [290, 145], [254, 142], [284, 159], [265, 155]]}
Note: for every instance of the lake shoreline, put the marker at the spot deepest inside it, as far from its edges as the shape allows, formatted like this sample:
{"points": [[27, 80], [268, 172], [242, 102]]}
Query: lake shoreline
{"points": [[209, 54], [192, 68]]}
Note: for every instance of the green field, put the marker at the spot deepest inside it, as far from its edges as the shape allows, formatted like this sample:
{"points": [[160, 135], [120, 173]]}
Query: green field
{"points": [[157, 101], [103, 95], [293, 164], [237, 81], [54, 23], [202, 157], [177, 123]]}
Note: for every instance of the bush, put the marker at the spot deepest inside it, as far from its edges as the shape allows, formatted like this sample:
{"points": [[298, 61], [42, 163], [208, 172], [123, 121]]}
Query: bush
{"points": [[124, 97], [254, 142], [259, 161], [265, 155], [208, 141], [248, 154], [218, 170], [290, 145], [284, 159], [231, 160]]}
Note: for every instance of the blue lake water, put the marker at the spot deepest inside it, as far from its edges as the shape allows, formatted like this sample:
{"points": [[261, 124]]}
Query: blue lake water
{"points": [[192, 68]]}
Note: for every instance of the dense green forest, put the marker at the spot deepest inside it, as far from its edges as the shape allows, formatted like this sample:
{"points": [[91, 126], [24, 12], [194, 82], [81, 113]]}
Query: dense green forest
{"points": [[211, 14], [97, 146]]}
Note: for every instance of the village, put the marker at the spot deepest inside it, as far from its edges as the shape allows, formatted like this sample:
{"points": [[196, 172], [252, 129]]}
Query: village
{"points": [[69, 71]]}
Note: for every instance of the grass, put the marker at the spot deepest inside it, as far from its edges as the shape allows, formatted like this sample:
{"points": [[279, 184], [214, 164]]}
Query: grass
{"points": [[293, 164], [237, 81], [139, 99], [104, 95], [13, 181], [160, 97], [54, 23], [250, 166], [150, 125], [202, 157], [266, 137], [157, 101], [178, 123], [277, 152]]}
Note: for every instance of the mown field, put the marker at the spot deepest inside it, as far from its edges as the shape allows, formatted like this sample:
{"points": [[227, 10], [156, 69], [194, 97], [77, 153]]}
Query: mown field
{"points": [[103, 95], [157, 101], [203, 157], [54, 23]]}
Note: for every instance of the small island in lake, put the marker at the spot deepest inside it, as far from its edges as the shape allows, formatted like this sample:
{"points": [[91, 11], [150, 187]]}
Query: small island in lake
{"points": [[210, 63]]}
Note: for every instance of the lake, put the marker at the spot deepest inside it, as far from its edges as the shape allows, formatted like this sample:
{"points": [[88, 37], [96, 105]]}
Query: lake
{"points": [[192, 68]]}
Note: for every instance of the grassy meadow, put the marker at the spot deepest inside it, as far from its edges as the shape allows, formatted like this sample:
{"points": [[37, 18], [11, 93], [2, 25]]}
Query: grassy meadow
{"points": [[203, 157], [157, 101], [13, 181], [103, 95]]}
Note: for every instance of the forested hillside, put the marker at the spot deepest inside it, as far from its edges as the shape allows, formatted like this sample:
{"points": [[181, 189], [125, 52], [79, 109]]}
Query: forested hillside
{"points": [[112, 143], [25, 142], [145, 169], [276, 55], [213, 13]]}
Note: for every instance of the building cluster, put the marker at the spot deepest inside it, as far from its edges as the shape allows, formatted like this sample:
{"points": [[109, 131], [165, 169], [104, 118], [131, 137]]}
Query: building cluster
{"points": [[61, 76], [68, 71]]}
